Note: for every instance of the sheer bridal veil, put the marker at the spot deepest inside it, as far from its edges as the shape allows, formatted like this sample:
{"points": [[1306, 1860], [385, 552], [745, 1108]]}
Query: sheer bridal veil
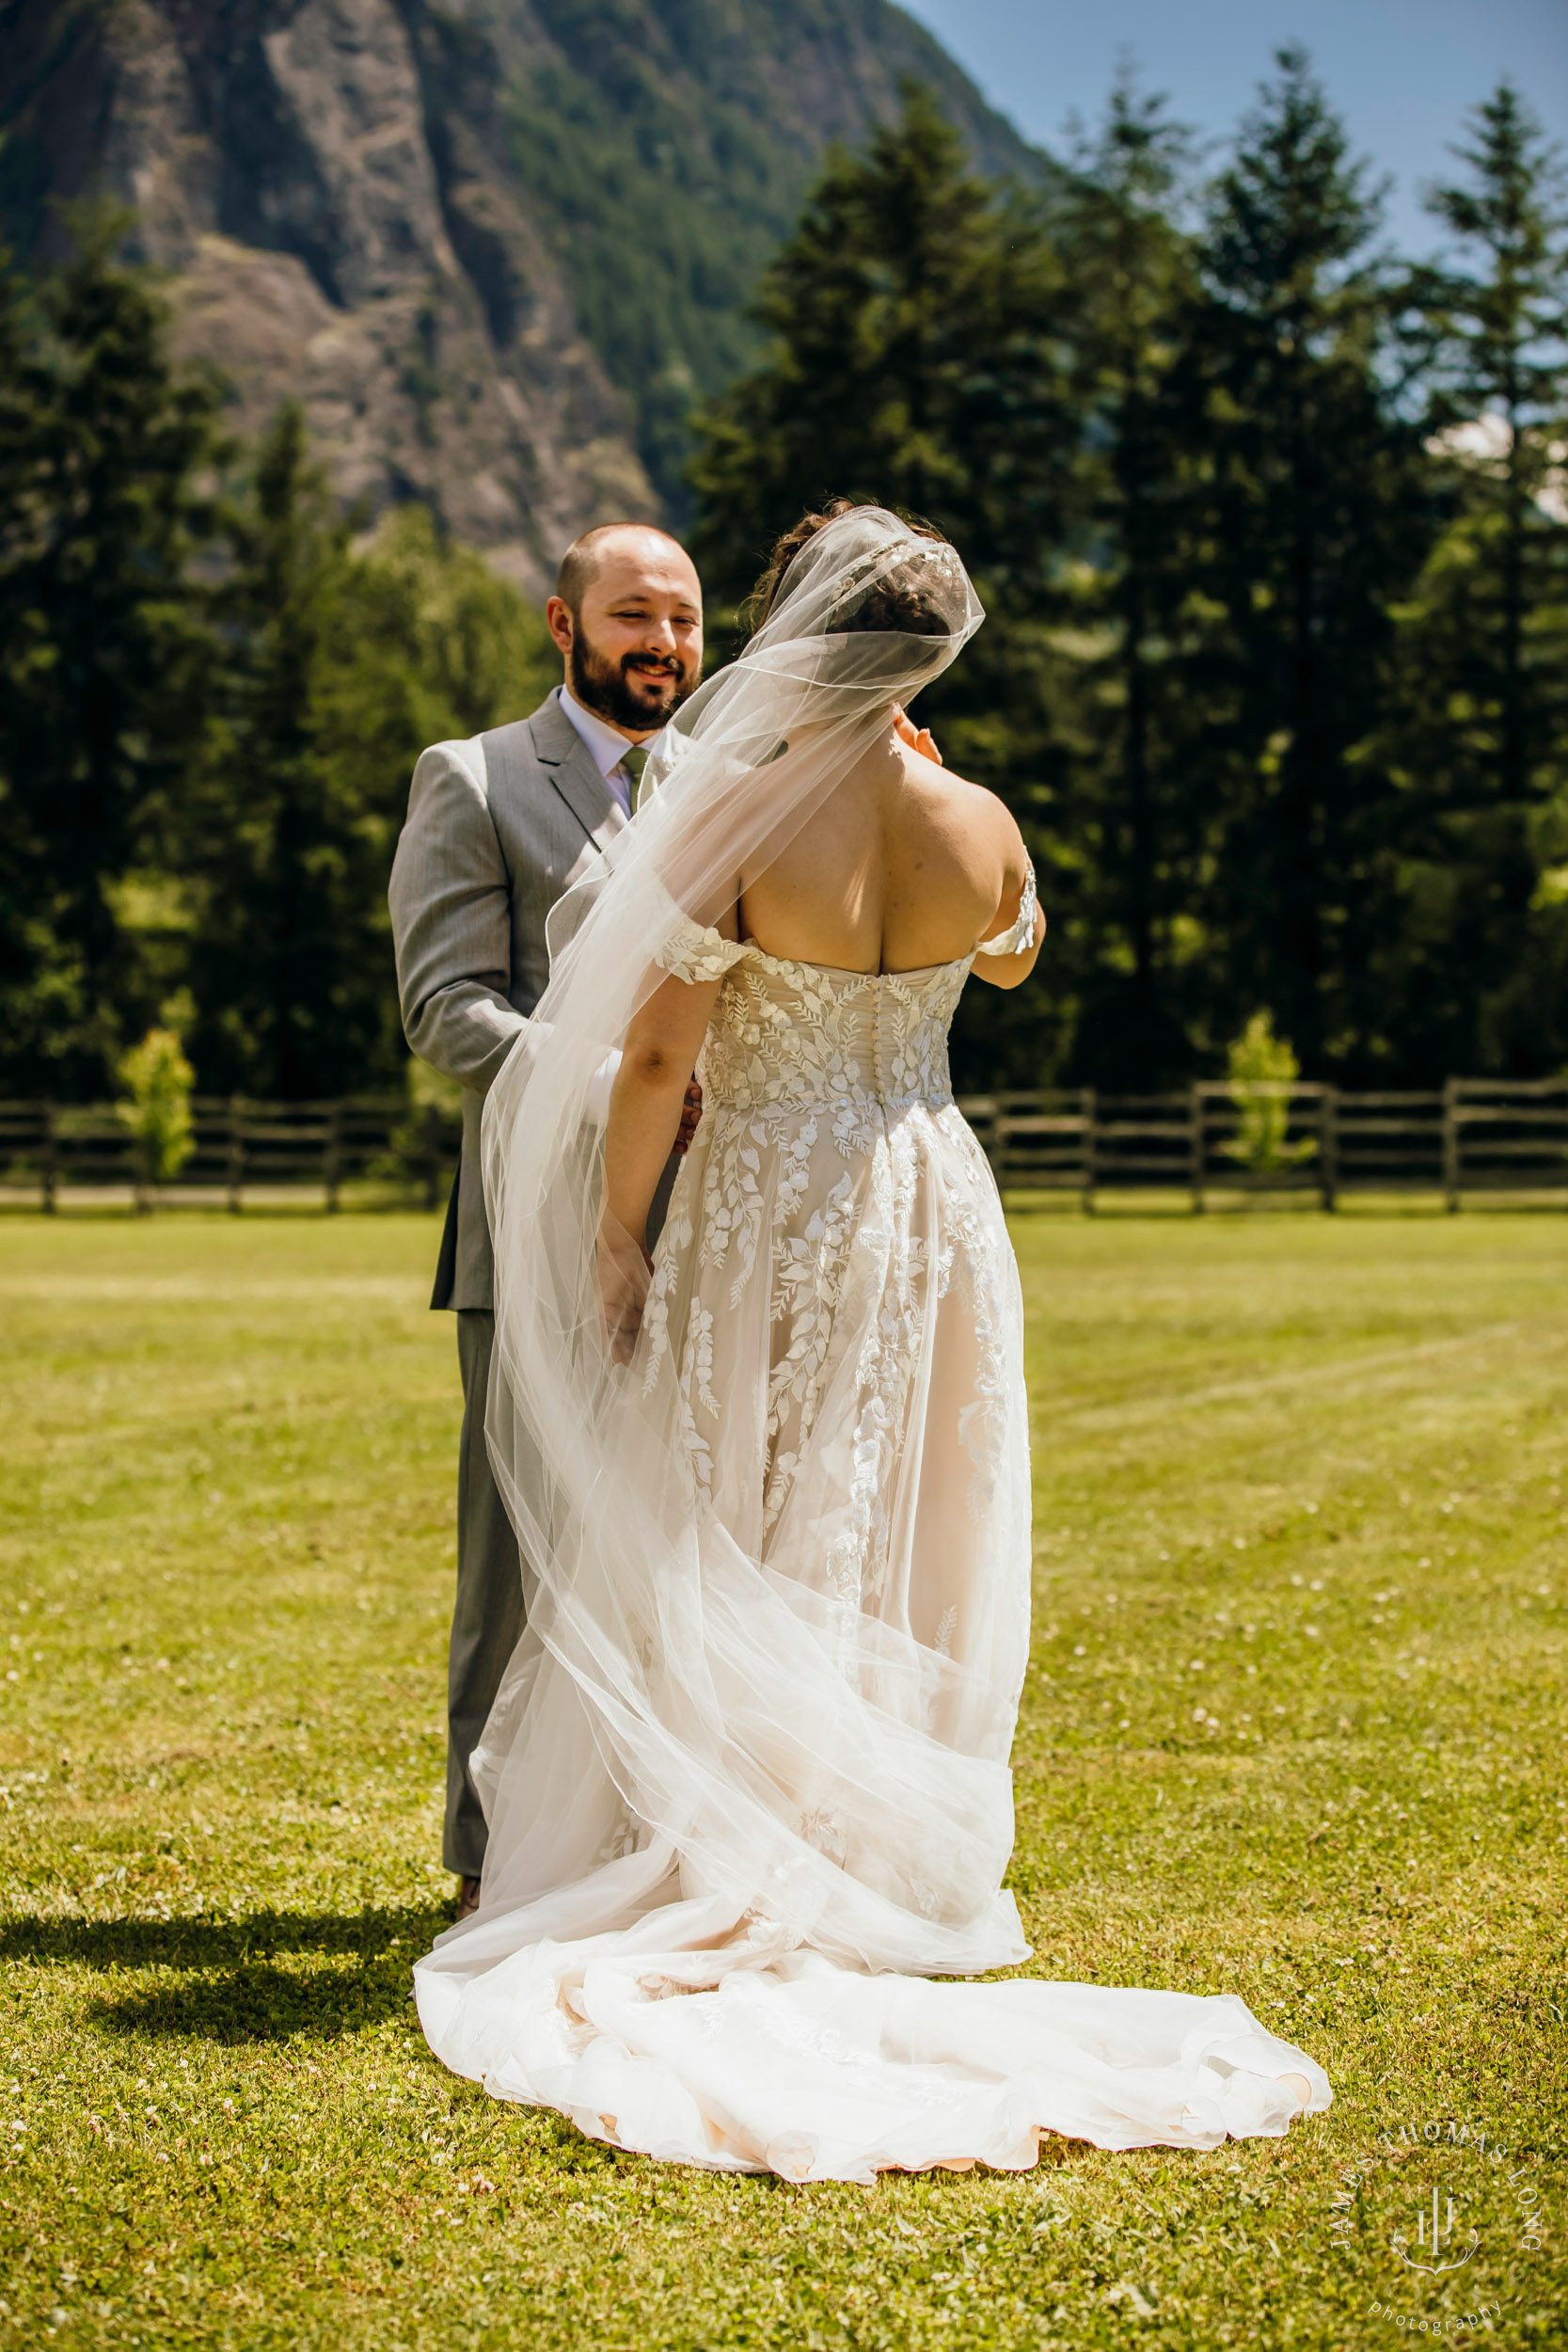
{"points": [[718, 1765]]}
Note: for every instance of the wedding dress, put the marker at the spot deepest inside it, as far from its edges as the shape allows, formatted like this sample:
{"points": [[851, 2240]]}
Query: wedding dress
{"points": [[747, 1779]]}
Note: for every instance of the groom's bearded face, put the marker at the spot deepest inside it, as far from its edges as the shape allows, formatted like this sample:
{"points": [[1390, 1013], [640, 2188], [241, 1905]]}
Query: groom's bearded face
{"points": [[639, 691], [636, 650]]}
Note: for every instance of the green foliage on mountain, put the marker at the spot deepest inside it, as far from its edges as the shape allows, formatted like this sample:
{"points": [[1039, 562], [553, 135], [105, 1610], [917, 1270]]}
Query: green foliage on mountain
{"points": [[1271, 536], [671, 150]]}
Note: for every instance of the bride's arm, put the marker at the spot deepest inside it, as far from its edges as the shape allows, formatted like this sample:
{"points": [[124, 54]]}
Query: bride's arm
{"points": [[645, 1101], [1008, 955]]}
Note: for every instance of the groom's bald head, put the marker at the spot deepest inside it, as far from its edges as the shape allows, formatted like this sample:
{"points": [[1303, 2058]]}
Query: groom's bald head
{"points": [[639, 546], [627, 616]]}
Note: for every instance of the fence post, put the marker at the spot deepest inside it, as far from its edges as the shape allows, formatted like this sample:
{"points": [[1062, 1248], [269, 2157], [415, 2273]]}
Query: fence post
{"points": [[236, 1153], [1089, 1111], [1328, 1147], [1195, 1146], [432, 1156], [1451, 1145], [49, 1169], [332, 1156]]}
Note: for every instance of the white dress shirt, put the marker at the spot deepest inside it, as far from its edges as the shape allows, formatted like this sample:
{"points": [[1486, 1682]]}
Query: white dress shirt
{"points": [[607, 748]]}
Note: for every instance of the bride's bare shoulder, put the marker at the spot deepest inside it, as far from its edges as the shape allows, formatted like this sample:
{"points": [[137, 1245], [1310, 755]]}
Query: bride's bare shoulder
{"points": [[968, 816]]}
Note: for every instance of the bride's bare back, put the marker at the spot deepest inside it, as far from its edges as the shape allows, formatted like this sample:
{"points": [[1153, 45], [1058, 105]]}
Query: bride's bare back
{"points": [[904, 866]]}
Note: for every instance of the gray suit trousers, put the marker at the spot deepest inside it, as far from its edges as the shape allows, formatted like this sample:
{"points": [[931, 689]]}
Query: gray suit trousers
{"points": [[488, 1617]]}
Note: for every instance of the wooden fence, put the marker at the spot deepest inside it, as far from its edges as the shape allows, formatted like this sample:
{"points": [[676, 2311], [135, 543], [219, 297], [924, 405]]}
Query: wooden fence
{"points": [[1474, 1136], [1477, 1135], [239, 1146]]}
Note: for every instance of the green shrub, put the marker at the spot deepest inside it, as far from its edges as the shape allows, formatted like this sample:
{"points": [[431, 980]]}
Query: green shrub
{"points": [[157, 1107], [1262, 1071]]}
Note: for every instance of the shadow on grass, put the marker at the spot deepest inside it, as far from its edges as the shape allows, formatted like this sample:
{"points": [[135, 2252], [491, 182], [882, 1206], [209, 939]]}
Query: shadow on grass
{"points": [[350, 1970]]}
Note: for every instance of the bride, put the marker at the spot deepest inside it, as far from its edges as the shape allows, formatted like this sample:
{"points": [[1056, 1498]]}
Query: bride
{"points": [[746, 1777]]}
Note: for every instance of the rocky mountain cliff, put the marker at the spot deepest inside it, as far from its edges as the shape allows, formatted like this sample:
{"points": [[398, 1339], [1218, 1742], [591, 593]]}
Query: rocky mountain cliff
{"points": [[494, 247]]}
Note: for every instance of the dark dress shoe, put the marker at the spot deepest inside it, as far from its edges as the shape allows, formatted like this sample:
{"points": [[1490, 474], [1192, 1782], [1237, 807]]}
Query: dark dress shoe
{"points": [[467, 1897]]}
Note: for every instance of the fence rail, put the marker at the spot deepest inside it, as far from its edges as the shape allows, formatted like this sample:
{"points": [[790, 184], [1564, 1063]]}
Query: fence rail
{"points": [[237, 1146], [1474, 1136]]}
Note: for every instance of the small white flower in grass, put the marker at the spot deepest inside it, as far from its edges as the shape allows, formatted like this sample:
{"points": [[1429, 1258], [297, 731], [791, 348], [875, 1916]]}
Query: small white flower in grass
{"points": [[1200, 1714], [1078, 1651], [1317, 1583]]}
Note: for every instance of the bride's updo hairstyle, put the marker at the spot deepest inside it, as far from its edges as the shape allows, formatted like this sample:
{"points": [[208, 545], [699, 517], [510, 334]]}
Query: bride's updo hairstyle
{"points": [[912, 599]]}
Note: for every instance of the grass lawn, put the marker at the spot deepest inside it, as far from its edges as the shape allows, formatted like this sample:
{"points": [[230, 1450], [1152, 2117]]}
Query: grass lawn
{"points": [[1296, 1729]]}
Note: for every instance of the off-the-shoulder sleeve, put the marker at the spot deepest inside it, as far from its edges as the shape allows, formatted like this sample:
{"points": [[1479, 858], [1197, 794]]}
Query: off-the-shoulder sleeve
{"points": [[1014, 941], [692, 952]]}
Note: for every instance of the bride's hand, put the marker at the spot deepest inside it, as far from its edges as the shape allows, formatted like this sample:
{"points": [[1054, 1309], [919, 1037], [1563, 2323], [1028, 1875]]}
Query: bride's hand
{"points": [[623, 1267], [921, 739]]}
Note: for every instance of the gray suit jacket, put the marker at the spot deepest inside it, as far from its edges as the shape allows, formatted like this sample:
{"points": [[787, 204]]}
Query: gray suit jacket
{"points": [[497, 827]]}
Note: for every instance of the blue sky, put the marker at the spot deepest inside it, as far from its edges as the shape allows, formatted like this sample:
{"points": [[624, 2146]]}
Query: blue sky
{"points": [[1401, 71]]}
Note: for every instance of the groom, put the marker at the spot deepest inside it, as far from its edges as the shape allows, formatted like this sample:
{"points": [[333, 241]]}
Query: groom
{"points": [[497, 828]]}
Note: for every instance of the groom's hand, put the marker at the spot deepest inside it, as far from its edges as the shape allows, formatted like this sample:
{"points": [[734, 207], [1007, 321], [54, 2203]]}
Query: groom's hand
{"points": [[919, 739], [691, 1111]]}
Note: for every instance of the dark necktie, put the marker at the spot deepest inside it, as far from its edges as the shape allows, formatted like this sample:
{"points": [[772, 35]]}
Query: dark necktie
{"points": [[633, 760]]}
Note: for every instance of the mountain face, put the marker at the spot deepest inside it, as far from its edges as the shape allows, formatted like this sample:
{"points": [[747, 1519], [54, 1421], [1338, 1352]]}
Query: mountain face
{"points": [[494, 247]]}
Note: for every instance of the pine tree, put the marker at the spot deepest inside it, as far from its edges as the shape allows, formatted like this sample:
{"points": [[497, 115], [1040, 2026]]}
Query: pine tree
{"points": [[1123, 599], [914, 319], [104, 654], [1314, 524], [423, 642], [289, 961], [918, 361], [1480, 740]]}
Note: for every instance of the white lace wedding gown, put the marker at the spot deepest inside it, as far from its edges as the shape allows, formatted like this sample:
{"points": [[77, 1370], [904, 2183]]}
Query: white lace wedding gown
{"points": [[725, 1962]]}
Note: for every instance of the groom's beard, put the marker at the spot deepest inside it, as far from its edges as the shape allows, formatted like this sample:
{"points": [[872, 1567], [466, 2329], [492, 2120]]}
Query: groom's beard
{"points": [[641, 691]]}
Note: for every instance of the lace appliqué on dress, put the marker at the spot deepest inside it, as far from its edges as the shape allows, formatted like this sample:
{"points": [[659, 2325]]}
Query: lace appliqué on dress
{"points": [[833, 1199], [1012, 943]]}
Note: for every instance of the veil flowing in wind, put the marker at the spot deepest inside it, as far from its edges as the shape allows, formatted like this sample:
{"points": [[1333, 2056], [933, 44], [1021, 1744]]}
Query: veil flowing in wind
{"points": [[751, 1749]]}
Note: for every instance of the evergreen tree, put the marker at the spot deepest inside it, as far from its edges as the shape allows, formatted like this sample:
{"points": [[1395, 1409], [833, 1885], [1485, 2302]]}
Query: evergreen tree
{"points": [[341, 668], [1479, 729], [918, 361], [915, 321], [289, 958], [1124, 598], [1312, 525], [104, 654], [424, 643]]}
